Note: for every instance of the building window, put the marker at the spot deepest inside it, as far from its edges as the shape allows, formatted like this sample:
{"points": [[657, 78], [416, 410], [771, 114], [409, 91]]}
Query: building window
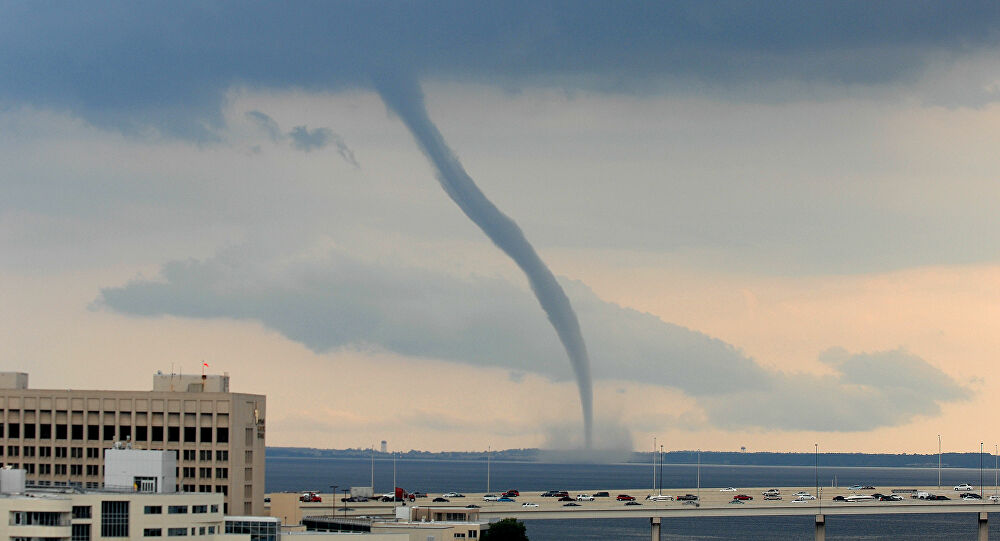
{"points": [[205, 455], [44, 452], [222, 434], [13, 430], [76, 469], [189, 454], [114, 519], [141, 433], [248, 456], [204, 488], [60, 432], [157, 432], [29, 431], [60, 469], [188, 488], [109, 432], [205, 473], [45, 432], [44, 469], [199, 508], [76, 452], [173, 433], [29, 450], [77, 432], [188, 471], [93, 469], [125, 432], [215, 508], [60, 452], [153, 510], [222, 473], [29, 469], [80, 532], [35, 518], [222, 456], [206, 434], [13, 450], [81, 511], [177, 509], [177, 532], [93, 432], [152, 532], [224, 489], [211, 529], [93, 452], [190, 434]]}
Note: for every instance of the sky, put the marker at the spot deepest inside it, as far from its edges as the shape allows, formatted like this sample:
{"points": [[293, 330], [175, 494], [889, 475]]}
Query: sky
{"points": [[776, 222]]}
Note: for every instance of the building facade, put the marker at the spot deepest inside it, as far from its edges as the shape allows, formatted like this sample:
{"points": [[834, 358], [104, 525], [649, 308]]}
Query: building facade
{"points": [[58, 436]]}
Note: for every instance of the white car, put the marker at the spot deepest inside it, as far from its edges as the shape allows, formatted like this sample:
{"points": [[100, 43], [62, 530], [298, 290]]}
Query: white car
{"points": [[490, 498], [801, 493], [452, 495], [771, 492], [584, 498], [727, 489], [995, 498], [964, 486], [804, 497], [660, 498], [801, 499], [859, 498], [529, 504]]}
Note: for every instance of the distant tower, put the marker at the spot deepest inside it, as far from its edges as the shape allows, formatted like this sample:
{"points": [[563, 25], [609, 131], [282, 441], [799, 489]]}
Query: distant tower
{"points": [[383, 446]]}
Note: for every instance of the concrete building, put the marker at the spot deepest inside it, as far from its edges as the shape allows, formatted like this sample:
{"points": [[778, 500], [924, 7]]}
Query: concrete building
{"points": [[67, 514], [58, 436]]}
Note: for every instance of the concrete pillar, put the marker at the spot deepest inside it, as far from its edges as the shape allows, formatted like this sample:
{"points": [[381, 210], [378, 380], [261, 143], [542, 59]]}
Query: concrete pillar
{"points": [[984, 527], [820, 527], [654, 528]]}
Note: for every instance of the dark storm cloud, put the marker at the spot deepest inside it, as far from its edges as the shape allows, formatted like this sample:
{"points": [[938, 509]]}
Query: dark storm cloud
{"points": [[341, 302], [129, 64]]}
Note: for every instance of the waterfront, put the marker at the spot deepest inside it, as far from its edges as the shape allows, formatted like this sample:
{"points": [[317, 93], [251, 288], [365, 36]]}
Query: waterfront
{"points": [[470, 476]]}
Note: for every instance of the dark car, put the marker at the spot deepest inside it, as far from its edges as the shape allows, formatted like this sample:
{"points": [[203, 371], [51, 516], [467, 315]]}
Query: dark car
{"points": [[512, 493], [971, 496], [418, 495], [938, 497], [632, 502], [686, 497], [440, 500], [550, 493], [742, 497], [602, 495], [472, 506], [839, 499], [565, 499], [571, 504], [890, 498], [354, 499]]}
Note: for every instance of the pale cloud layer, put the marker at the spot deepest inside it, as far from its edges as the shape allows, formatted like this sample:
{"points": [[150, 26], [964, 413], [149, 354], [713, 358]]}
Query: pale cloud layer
{"points": [[338, 302], [777, 220]]}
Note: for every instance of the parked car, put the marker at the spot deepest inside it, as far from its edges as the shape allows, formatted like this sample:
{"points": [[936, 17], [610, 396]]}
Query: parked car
{"points": [[602, 495], [971, 496], [689, 502], [267, 499], [440, 500], [571, 504], [505, 499], [310, 497], [859, 498], [771, 491], [839, 499], [770, 497], [995, 498], [964, 486], [727, 489], [805, 497], [472, 506], [742, 497], [801, 493], [659, 498], [861, 487], [452, 495], [800, 499], [939, 497], [890, 498], [687, 497], [512, 493], [529, 504], [625, 498], [632, 502], [734, 500], [550, 493], [565, 499], [490, 497], [584, 498]]}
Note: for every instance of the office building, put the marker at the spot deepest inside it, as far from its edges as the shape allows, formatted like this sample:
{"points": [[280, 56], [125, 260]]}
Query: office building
{"points": [[58, 436]]}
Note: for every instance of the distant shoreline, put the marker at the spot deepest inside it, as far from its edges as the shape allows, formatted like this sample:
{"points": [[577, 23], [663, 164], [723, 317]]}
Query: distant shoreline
{"points": [[713, 458]]}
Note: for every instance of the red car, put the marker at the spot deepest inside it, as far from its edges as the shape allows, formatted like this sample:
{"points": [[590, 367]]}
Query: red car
{"points": [[625, 498], [742, 497], [512, 493]]}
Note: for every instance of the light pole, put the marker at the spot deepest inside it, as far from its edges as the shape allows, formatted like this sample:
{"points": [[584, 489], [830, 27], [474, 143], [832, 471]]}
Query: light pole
{"points": [[660, 491], [373, 469], [653, 456], [939, 461], [996, 469], [816, 445], [394, 478], [488, 452], [346, 490], [980, 470], [699, 476], [333, 499]]}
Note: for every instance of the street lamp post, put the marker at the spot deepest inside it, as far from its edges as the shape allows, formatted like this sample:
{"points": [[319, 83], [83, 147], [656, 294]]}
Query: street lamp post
{"points": [[816, 445], [346, 491], [939, 461], [699, 476], [980, 470], [333, 499]]}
